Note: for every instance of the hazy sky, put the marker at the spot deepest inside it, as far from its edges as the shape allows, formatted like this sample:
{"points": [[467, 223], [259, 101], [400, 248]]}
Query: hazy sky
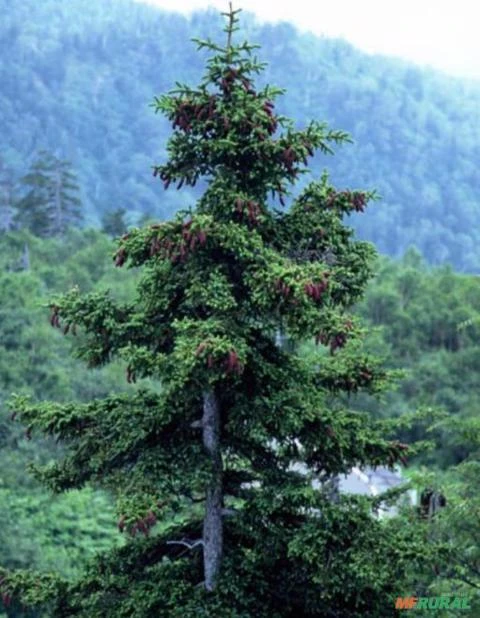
{"points": [[441, 33]]}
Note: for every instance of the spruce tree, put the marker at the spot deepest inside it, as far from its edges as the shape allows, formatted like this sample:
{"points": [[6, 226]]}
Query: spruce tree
{"points": [[51, 204], [114, 222], [223, 474], [7, 198]]}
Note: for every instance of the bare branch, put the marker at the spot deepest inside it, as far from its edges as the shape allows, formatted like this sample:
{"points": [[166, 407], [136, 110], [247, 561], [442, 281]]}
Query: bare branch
{"points": [[189, 544]]}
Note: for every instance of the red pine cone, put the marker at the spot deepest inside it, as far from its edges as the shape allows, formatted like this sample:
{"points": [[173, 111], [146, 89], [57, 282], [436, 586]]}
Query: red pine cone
{"points": [[232, 360], [120, 257]]}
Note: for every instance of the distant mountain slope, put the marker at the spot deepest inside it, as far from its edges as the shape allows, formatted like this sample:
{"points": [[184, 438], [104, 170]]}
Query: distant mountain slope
{"points": [[76, 77]]}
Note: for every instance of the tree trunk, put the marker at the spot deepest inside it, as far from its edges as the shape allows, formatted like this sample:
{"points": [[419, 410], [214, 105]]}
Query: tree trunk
{"points": [[212, 523], [332, 488], [58, 201], [285, 343], [25, 260]]}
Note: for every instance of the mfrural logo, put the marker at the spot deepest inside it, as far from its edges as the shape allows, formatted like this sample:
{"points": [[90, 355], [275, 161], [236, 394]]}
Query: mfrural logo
{"points": [[443, 602]]}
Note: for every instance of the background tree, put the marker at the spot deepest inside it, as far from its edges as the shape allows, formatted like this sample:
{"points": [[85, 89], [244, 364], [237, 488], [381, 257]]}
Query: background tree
{"points": [[114, 222], [52, 204], [413, 312], [457, 570], [39, 530], [7, 198], [223, 456]]}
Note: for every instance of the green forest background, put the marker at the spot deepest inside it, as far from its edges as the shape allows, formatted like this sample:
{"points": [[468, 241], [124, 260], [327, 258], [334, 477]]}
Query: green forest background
{"points": [[76, 80]]}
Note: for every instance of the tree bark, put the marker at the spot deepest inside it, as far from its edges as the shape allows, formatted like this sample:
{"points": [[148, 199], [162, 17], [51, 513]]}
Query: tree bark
{"points": [[212, 523], [58, 200], [25, 261]]}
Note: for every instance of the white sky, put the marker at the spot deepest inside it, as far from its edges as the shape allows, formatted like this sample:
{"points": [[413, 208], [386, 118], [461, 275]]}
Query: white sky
{"points": [[441, 33]]}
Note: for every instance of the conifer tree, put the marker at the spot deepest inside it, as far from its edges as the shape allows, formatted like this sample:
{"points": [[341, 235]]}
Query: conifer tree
{"points": [[7, 198], [222, 474], [114, 223], [51, 204]]}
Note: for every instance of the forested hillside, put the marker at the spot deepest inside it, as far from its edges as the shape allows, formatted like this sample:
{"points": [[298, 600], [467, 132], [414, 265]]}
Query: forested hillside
{"points": [[34, 362], [80, 74], [427, 322]]}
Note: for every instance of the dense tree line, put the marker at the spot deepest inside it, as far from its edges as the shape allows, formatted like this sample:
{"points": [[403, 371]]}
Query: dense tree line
{"points": [[426, 320], [80, 74], [53, 533]]}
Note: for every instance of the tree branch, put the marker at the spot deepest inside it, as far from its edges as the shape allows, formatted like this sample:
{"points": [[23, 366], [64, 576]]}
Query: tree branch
{"points": [[229, 512], [189, 544]]}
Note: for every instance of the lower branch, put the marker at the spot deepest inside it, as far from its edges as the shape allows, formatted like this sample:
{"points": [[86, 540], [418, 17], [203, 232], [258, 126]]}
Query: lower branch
{"points": [[189, 544]]}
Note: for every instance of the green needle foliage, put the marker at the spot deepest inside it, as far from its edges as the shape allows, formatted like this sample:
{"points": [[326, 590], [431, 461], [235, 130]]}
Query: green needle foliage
{"points": [[213, 470], [51, 204]]}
